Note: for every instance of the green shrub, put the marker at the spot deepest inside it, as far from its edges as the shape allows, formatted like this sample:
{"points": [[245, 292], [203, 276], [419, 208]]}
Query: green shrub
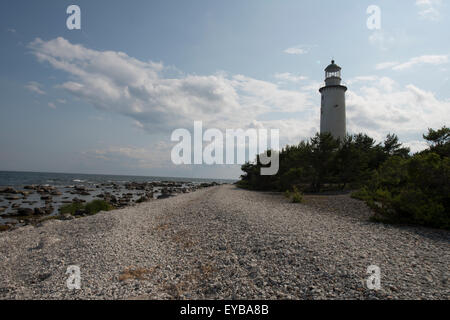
{"points": [[414, 190], [96, 206], [361, 194], [71, 208], [296, 196], [92, 207]]}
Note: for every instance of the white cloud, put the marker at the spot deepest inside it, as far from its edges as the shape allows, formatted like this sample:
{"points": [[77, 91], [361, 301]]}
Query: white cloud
{"points": [[52, 105], [295, 50], [35, 87], [361, 79], [416, 61], [427, 59], [299, 49], [115, 82], [154, 156], [385, 65], [381, 40], [289, 77], [429, 9], [384, 106]]}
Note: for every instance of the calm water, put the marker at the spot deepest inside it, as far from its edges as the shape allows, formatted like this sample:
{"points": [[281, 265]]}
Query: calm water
{"points": [[18, 179]]}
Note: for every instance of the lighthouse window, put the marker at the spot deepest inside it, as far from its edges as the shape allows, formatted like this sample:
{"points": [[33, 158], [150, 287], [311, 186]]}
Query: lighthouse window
{"points": [[333, 74]]}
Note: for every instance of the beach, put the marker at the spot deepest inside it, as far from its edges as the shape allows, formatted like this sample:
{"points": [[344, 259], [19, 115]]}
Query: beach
{"points": [[222, 242]]}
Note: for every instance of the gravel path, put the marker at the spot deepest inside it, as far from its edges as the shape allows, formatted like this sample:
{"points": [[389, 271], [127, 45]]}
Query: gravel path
{"points": [[226, 243]]}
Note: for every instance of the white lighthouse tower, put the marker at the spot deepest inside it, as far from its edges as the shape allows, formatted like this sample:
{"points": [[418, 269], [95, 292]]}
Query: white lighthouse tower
{"points": [[332, 111]]}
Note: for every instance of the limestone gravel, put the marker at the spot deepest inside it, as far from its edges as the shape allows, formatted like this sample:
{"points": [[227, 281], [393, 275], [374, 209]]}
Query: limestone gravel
{"points": [[226, 243]]}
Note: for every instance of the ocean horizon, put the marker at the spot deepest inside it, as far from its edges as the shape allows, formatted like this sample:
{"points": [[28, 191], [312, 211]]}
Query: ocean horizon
{"points": [[22, 178]]}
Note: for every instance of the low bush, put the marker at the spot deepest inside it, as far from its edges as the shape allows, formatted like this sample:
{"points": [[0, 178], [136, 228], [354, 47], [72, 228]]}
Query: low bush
{"points": [[91, 208], [296, 196]]}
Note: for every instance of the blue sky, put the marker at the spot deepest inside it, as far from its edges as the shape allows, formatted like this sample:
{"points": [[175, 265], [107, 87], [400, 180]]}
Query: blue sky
{"points": [[104, 99]]}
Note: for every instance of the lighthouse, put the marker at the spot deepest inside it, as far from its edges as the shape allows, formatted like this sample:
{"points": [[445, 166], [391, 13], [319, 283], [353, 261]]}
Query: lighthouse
{"points": [[332, 110]]}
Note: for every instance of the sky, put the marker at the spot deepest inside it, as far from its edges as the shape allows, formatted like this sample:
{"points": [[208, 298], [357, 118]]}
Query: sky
{"points": [[105, 99]]}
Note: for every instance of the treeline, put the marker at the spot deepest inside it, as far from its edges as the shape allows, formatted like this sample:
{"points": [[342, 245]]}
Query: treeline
{"points": [[400, 187]]}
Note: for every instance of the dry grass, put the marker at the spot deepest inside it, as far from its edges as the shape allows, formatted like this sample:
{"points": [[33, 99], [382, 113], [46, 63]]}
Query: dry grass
{"points": [[136, 273], [191, 281], [162, 227], [4, 228], [183, 238]]}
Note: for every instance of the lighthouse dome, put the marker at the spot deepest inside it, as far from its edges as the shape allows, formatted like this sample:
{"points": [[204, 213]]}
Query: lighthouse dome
{"points": [[332, 67], [332, 71]]}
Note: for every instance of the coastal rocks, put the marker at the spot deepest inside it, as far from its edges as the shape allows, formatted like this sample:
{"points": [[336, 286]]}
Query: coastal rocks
{"points": [[40, 211], [23, 212], [80, 212], [66, 216], [9, 190], [145, 197], [45, 189], [13, 198], [36, 201], [77, 200], [165, 196]]}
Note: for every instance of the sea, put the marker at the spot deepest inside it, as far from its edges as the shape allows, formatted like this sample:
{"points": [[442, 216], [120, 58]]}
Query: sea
{"points": [[19, 179]]}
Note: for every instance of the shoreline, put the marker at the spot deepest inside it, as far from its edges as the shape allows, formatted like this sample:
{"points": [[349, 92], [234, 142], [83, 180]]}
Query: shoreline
{"points": [[31, 204], [226, 243]]}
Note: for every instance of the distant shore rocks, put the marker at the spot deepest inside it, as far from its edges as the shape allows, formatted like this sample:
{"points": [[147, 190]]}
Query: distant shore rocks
{"points": [[33, 203], [9, 190], [40, 211]]}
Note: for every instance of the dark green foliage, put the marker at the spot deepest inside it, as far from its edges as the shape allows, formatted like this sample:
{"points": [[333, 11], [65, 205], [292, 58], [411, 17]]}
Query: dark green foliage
{"points": [[296, 196], [414, 190], [439, 141], [71, 208], [97, 206], [322, 163], [92, 207], [399, 187]]}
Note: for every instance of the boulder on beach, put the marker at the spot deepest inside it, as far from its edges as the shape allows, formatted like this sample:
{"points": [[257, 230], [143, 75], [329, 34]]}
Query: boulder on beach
{"points": [[12, 198], [8, 190], [165, 195], [39, 211], [24, 212]]}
